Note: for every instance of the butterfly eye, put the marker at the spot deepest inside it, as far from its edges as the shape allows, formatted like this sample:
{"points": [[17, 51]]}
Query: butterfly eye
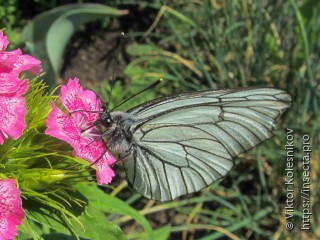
{"points": [[109, 121], [106, 120]]}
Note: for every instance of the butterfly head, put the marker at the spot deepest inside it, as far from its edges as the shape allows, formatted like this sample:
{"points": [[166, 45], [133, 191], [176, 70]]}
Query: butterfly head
{"points": [[118, 131], [106, 119]]}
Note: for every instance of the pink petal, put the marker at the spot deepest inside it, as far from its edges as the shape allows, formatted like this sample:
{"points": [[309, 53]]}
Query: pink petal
{"points": [[3, 42], [11, 211], [104, 173], [11, 84], [74, 98], [22, 88], [3, 137], [27, 63], [8, 59], [12, 116], [92, 151], [61, 126], [15, 61]]}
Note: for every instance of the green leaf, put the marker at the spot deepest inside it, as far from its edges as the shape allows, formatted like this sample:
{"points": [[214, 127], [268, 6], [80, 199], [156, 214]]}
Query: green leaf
{"points": [[48, 34], [96, 225], [140, 49], [162, 233], [111, 204], [133, 69], [91, 223], [48, 220]]}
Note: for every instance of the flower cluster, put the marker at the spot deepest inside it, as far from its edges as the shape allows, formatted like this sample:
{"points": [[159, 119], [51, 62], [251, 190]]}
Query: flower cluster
{"points": [[78, 129], [12, 105], [13, 111]]}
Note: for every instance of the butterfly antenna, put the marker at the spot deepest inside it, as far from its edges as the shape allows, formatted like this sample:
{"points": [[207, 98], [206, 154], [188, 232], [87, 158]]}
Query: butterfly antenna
{"points": [[114, 67], [145, 89]]}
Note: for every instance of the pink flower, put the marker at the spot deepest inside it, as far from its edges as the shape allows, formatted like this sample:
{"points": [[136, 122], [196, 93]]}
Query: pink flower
{"points": [[12, 105], [15, 61], [11, 212], [78, 129]]}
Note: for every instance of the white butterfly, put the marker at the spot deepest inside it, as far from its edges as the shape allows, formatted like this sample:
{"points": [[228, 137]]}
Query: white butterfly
{"points": [[181, 144]]}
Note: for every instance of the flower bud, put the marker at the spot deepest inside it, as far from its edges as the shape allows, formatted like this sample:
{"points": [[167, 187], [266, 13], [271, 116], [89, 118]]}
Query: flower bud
{"points": [[43, 178]]}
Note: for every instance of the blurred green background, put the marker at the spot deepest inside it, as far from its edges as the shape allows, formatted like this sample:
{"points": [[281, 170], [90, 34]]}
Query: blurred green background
{"points": [[193, 45]]}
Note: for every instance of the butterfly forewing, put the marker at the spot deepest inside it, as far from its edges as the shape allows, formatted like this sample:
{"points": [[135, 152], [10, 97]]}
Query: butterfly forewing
{"points": [[184, 143]]}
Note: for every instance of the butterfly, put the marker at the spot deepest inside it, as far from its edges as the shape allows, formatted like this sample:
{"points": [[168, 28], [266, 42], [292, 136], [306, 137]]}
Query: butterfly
{"points": [[180, 144]]}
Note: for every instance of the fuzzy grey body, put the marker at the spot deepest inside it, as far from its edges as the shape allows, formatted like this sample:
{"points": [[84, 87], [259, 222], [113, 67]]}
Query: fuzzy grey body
{"points": [[119, 134]]}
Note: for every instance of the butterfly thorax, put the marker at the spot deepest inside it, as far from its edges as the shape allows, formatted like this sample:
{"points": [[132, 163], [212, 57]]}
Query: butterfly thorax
{"points": [[118, 130]]}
